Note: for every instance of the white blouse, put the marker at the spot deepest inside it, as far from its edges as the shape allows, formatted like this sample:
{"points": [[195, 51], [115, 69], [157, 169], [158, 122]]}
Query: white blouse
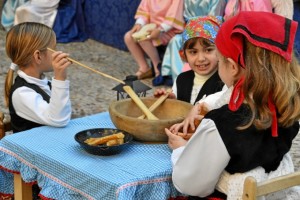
{"points": [[30, 105]]}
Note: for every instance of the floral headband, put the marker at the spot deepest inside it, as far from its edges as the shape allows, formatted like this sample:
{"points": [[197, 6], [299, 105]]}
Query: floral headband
{"points": [[204, 26]]}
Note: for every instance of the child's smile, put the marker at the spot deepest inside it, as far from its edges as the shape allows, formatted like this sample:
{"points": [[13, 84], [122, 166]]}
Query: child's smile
{"points": [[203, 60]]}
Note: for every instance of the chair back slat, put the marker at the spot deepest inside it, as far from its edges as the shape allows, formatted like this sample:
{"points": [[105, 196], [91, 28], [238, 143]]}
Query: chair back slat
{"points": [[252, 189]]}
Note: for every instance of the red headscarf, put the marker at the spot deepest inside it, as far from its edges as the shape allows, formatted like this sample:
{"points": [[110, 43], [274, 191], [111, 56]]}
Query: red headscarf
{"points": [[263, 29]]}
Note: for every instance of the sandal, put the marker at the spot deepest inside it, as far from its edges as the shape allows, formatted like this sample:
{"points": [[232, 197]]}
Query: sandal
{"points": [[143, 75]]}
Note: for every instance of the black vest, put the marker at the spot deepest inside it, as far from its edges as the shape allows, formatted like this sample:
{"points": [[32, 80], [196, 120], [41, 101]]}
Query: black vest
{"points": [[185, 82], [18, 123], [250, 148]]}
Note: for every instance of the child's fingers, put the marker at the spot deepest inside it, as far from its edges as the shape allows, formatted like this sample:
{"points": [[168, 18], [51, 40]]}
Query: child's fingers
{"points": [[176, 127], [59, 55], [168, 132], [174, 141], [158, 92], [60, 58], [171, 134], [189, 124], [62, 63], [135, 28], [172, 96], [65, 63]]}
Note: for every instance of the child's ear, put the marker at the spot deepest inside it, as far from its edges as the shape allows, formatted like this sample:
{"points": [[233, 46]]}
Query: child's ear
{"points": [[37, 56], [234, 67], [182, 55]]}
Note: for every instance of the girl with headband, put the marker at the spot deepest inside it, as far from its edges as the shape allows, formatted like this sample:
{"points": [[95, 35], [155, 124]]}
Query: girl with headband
{"points": [[199, 50], [172, 63], [252, 132]]}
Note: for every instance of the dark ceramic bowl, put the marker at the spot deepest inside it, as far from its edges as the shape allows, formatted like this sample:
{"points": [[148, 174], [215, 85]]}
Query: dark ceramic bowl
{"points": [[102, 149]]}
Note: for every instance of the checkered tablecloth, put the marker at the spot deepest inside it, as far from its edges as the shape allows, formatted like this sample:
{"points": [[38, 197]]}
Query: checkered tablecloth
{"points": [[64, 170]]}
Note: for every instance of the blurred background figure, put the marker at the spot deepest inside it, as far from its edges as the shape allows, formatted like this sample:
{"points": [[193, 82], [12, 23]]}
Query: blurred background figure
{"points": [[8, 12], [18, 11], [283, 8], [172, 64], [168, 18], [41, 11]]}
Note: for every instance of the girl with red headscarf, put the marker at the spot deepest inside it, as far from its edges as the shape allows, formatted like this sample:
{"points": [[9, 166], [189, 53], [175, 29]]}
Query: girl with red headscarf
{"points": [[252, 129]]}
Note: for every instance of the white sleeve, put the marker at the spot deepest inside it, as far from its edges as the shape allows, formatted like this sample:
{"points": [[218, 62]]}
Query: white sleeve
{"points": [[174, 88], [201, 162], [140, 21], [211, 99], [176, 154], [30, 105], [166, 27]]}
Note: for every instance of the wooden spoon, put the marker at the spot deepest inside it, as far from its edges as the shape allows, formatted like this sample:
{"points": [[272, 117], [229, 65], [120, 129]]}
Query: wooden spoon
{"points": [[94, 70], [157, 103], [139, 102], [127, 88]]}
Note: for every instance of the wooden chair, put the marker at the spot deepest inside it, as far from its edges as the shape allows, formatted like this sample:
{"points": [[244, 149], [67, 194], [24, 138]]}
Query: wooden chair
{"points": [[253, 189], [4, 125]]}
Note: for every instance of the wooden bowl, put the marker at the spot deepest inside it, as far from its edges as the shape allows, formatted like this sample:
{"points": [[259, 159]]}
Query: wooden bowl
{"points": [[124, 114]]}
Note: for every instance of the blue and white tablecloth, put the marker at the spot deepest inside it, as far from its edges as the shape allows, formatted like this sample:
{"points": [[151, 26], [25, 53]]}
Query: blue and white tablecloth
{"points": [[64, 170]]}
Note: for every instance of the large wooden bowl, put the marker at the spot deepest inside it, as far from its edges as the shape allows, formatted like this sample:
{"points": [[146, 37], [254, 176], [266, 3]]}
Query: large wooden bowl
{"points": [[124, 114]]}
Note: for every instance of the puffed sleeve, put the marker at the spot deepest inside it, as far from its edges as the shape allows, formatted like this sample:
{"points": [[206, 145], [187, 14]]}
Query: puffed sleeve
{"points": [[200, 164]]}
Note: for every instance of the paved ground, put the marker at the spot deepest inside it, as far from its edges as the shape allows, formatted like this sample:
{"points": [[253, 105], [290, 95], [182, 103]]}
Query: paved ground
{"points": [[90, 92]]}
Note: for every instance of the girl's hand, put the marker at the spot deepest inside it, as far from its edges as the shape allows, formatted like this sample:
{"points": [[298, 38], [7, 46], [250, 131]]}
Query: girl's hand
{"points": [[154, 34], [161, 91], [175, 128], [60, 64], [136, 28], [192, 120], [189, 121], [174, 141]]}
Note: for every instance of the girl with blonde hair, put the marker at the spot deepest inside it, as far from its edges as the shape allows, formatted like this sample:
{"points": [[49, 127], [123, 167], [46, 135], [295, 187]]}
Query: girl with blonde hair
{"points": [[32, 99], [252, 129]]}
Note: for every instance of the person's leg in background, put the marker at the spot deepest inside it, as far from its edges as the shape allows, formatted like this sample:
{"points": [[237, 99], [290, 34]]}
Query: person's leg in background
{"points": [[152, 52], [138, 55]]}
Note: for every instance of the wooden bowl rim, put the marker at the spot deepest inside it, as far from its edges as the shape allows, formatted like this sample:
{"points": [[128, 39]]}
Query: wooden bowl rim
{"points": [[112, 108]]}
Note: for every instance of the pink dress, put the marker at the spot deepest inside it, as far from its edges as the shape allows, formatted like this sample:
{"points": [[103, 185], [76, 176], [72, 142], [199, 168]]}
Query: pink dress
{"points": [[234, 6], [162, 12]]}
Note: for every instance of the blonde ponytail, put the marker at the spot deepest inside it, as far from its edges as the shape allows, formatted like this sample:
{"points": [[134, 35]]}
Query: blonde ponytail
{"points": [[8, 82]]}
